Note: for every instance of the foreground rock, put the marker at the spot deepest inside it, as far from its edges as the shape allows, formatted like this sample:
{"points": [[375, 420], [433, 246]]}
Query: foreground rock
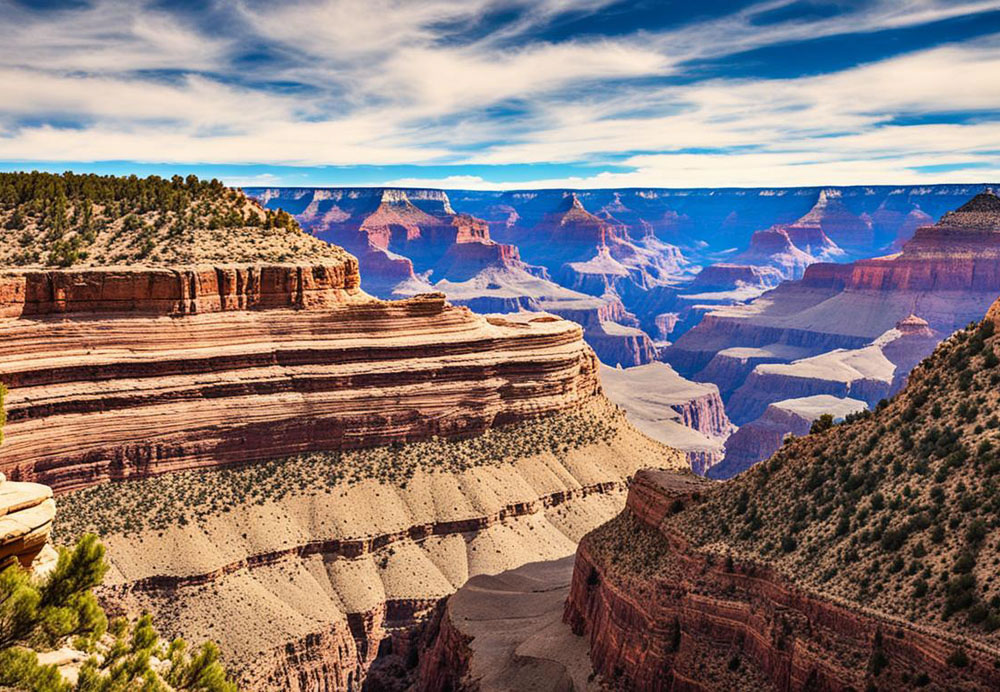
{"points": [[26, 512], [386, 451], [858, 557], [686, 415]]}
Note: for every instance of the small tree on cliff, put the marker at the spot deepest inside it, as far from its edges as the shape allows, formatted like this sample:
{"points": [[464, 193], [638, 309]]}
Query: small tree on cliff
{"points": [[39, 614]]}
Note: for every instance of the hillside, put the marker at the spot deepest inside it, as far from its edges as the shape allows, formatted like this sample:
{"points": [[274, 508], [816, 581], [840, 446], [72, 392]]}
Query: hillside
{"points": [[894, 510], [88, 220], [862, 555]]}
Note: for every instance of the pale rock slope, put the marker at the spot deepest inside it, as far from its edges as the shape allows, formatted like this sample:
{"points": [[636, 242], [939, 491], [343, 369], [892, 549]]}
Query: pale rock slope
{"points": [[685, 415], [870, 373]]}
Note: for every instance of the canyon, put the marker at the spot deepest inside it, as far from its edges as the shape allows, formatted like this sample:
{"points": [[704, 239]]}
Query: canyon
{"points": [[279, 462], [855, 557], [638, 251], [946, 275], [686, 415]]}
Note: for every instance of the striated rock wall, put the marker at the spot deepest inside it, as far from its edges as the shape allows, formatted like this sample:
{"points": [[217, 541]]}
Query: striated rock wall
{"points": [[99, 396], [680, 618], [178, 291]]}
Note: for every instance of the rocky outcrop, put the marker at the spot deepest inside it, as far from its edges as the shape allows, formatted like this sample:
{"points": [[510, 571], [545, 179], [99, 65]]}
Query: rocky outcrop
{"points": [[26, 512], [317, 581], [659, 614], [774, 248], [178, 291], [143, 397], [759, 439], [830, 225]]}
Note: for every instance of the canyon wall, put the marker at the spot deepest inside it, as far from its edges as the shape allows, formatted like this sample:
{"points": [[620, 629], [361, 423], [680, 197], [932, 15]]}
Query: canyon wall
{"points": [[661, 615], [268, 447], [231, 372]]}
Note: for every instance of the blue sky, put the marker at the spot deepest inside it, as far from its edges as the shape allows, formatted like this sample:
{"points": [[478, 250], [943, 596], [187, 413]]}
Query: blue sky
{"points": [[506, 93]]}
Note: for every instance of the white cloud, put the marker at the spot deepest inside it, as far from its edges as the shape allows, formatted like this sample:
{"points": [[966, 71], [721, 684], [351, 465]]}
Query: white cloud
{"points": [[377, 83]]}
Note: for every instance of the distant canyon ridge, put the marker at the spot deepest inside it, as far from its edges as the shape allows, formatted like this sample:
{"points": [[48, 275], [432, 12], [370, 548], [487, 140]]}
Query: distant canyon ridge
{"points": [[724, 285]]}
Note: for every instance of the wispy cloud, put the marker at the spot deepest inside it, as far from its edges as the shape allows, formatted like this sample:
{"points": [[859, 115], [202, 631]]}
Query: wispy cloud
{"points": [[480, 83]]}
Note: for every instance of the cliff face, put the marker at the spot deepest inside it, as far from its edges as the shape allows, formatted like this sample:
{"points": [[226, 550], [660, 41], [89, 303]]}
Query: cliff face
{"points": [[686, 415], [270, 447], [179, 291], [89, 397], [659, 614]]}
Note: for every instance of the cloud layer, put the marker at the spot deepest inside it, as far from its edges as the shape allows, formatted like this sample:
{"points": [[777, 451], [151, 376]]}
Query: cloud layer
{"points": [[509, 93]]}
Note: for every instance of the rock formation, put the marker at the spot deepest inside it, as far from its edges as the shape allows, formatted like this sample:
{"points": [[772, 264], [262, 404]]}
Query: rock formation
{"points": [[26, 512], [948, 274], [506, 632], [284, 464], [682, 414]]}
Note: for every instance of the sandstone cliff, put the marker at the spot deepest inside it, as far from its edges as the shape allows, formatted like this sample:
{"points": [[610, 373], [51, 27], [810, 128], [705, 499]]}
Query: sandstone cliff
{"points": [[857, 556], [659, 613], [269, 447]]}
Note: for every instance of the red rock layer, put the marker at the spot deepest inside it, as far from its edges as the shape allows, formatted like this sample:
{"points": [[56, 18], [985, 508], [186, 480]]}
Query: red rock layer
{"points": [[101, 396], [180, 291], [676, 628]]}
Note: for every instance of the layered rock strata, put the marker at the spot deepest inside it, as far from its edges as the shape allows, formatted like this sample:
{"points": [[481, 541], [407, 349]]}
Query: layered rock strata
{"points": [[948, 273], [318, 576], [26, 512], [203, 420], [871, 373], [102, 396], [660, 614]]}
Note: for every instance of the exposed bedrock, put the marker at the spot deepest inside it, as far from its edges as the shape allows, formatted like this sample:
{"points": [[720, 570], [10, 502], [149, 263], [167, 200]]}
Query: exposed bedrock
{"points": [[730, 367], [871, 373], [763, 388], [506, 632], [686, 415], [179, 291], [315, 580], [948, 274], [99, 396], [26, 511], [661, 615]]}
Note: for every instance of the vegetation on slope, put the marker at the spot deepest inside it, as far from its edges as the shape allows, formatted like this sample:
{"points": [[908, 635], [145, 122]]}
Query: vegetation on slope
{"points": [[87, 220], [59, 609], [129, 507], [897, 509]]}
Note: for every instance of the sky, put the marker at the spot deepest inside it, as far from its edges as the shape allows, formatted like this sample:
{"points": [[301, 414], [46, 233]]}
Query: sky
{"points": [[501, 94]]}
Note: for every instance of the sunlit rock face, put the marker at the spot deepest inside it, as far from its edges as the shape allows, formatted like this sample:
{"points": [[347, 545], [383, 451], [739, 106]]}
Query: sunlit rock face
{"points": [[948, 274]]}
